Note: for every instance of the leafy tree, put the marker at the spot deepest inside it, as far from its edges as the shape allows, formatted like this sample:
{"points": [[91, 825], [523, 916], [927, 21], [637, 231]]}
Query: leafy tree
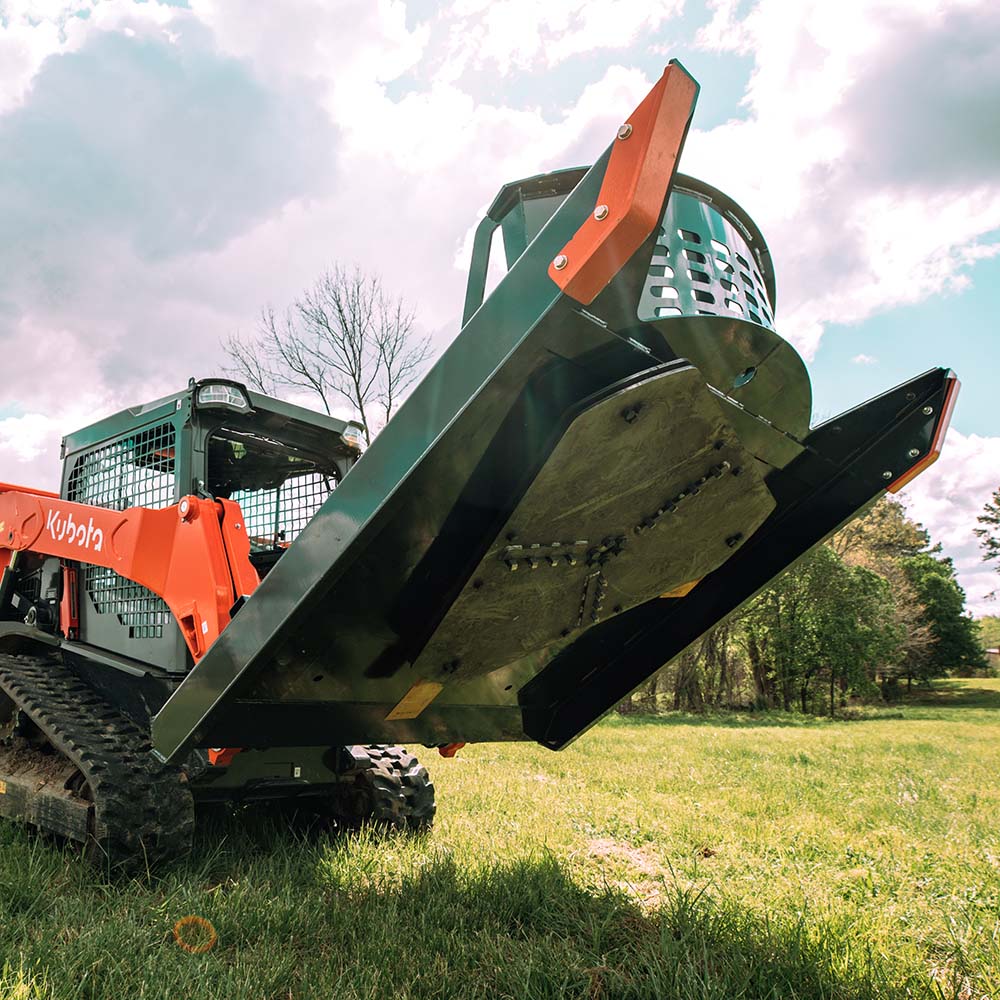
{"points": [[881, 540], [989, 631], [883, 533], [989, 534], [957, 644], [720, 668], [824, 618]]}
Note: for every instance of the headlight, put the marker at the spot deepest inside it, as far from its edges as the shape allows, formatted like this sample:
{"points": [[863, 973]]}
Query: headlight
{"points": [[226, 394], [353, 436]]}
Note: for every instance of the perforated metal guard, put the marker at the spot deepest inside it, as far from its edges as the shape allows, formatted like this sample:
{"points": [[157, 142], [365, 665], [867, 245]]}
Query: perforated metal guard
{"points": [[279, 514], [135, 471], [702, 266]]}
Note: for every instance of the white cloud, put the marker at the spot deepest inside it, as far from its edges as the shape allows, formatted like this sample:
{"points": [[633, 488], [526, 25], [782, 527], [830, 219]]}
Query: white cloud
{"points": [[948, 498], [869, 155], [33, 30], [130, 158], [163, 185], [348, 49], [864, 359], [521, 34], [22, 48]]}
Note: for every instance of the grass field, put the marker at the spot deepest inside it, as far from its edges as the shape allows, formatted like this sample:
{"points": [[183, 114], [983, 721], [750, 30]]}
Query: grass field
{"points": [[735, 856]]}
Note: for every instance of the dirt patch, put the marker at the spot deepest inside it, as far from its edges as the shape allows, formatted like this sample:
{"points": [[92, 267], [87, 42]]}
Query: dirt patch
{"points": [[20, 759], [637, 858]]}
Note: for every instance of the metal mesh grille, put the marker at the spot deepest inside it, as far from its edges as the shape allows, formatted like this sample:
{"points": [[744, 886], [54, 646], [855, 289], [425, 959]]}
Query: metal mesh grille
{"points": [[139, 609], [278, 514], [702, 266], [135, 471]]}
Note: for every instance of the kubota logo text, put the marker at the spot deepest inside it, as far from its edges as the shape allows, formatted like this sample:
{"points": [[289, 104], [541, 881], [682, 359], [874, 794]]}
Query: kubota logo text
{"points": [[66, 529]]}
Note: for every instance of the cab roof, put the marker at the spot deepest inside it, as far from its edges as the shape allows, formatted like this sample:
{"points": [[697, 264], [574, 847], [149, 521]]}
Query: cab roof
{"points": [[267, 409]]}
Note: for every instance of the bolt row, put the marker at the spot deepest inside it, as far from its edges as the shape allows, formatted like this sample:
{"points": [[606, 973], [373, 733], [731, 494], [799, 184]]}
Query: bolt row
{"points": [[539, 553], [601, 212], [692, 490], [600, 590]]}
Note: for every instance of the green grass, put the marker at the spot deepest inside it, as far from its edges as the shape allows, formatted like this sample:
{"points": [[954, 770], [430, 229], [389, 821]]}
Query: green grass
{"points": [[725, 857]]}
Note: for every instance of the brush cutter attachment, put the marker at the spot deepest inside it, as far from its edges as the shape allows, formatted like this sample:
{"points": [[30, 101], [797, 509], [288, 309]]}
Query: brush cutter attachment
{"points": [[611, 456]]}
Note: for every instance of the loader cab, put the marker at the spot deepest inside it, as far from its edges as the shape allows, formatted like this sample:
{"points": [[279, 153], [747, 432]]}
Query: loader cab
{"points": [[277, 461], [216, 438]]}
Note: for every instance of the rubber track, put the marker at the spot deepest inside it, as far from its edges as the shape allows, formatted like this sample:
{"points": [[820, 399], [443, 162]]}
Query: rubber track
{"points": [[143, 810]]}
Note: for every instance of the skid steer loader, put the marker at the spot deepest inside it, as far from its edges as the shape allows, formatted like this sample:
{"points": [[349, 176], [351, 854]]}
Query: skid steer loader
{"points": [[227, 601]]}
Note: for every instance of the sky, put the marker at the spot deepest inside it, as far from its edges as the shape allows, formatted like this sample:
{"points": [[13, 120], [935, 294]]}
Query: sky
{"points": [[167, 169]]}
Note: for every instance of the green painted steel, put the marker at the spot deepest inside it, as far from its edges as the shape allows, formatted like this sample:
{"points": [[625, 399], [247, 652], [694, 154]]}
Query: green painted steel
{"points": [[520, 210], [350, 565], [179, 406], [709, 260]]}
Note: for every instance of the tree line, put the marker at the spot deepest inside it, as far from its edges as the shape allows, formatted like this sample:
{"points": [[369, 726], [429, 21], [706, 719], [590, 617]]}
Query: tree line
{"points": [[875, 607]]}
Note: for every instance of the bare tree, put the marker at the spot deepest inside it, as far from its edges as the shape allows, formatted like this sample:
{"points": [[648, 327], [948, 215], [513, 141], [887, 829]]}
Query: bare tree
{"points": [[343, 338]]}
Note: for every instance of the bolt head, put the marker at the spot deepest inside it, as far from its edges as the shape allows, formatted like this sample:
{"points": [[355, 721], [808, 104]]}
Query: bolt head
{"points": [[927, 411], [887, 474], [560, 262], [185, 506], [913, 452], [624, 131], [601, 212]]}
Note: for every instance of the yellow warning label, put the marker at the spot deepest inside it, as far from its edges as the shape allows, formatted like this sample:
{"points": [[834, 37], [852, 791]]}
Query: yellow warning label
{"points": [[3, 787], [683, 590], [415, 700]]}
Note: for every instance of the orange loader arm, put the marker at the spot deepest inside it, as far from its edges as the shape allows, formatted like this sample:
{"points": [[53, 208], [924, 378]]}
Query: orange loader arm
{"points": [[194, 554]]}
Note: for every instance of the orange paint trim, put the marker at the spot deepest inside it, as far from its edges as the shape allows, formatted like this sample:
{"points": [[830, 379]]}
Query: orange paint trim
{"points": [[635, 187], [222, 756], [951, 396], [237, 546], [180, 553], [12, 488], [683, 590]]}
